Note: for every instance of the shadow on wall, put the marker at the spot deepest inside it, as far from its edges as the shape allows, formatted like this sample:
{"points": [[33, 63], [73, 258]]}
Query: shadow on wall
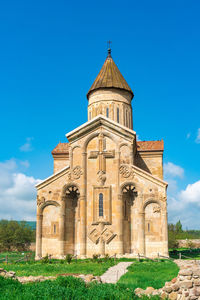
{"points": [[140, 163]]}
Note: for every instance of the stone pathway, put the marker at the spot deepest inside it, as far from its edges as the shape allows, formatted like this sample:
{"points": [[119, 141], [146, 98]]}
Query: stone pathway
{"points": [[113, 274]]}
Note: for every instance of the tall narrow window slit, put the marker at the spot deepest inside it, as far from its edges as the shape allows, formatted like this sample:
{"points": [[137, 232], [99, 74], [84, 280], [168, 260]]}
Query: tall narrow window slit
{"points": [[100, 205]]}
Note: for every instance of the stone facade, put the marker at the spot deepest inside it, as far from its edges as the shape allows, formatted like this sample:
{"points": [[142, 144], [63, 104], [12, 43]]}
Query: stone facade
{"points": [[107, 194]]}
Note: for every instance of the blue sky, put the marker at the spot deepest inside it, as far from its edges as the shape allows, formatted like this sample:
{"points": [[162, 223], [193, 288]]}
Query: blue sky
{"points": [[50, 54]]}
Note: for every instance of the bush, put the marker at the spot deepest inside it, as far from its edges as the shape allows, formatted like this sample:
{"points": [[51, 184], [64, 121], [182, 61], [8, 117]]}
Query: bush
{"points": [[68, 258], [45, 259], [95, 257], [172, 241]]}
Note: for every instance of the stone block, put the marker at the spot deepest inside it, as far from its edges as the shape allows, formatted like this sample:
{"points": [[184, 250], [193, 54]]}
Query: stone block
{"points": [[139, 291], [185, 272], [164, 295], [181, 278], [167, 289], [186, 284], [196, 272], [175, 287], [149, 290], [196, 282], [173, 296]]}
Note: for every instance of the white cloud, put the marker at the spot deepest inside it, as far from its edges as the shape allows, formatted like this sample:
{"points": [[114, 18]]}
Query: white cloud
{"points": [[5, 169], [172, 186], [172, 170], [27, 147], [17, 193], [188, 135], [185, 206], [198, 136], [138, 138], [191, 194], [25, 163]]}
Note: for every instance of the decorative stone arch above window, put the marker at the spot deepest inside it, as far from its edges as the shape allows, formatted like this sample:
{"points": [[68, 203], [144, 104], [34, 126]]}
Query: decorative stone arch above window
{"points": [[96, 134], [47, 203], [136, 187], [71, 187], [153, 201]]}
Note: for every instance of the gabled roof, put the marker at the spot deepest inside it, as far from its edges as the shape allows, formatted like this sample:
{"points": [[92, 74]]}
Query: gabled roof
{"points": [[110, 77], [150, 145], [52, 178], [97, 121], [149, 176]]}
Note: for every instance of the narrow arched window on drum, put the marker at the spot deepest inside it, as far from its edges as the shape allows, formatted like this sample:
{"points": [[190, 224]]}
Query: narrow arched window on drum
{"points": [[100, 205]]}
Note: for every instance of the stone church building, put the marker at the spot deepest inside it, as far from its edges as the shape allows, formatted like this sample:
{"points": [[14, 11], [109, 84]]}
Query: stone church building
{"points": [[107, 194]]}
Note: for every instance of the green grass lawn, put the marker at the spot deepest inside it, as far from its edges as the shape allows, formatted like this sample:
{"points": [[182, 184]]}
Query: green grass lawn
{"points": [[65, 288], [149, 273], [56, 268], [140, 274]]}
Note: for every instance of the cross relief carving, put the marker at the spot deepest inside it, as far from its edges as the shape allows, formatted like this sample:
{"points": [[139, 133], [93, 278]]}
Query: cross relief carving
{"points": [[102, 154], [98, 234]]}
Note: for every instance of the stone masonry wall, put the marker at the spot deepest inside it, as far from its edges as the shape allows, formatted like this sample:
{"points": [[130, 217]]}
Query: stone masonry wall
{"points": [[186, 286]]}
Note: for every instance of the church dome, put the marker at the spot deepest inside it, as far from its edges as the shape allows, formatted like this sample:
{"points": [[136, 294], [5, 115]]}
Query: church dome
{"points": [[110, 77]]}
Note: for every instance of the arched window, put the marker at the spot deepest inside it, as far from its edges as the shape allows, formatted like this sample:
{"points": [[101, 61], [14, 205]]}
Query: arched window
{"points": [[118, 115], [90, 115], [54, 228], [148, 227], [126, 118], [100, 205], [107, 112]]}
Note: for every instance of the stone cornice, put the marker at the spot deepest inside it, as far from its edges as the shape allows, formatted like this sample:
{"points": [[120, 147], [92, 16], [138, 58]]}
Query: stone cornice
{"points": [[52, 178], [149, 153], [94, 123]]}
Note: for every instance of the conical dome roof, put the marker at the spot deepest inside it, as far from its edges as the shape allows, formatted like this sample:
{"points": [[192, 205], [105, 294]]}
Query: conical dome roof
{"points": [[110, 77]]}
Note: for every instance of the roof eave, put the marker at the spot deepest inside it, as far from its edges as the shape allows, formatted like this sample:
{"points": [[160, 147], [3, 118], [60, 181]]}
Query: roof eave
{"points": [[111, 87]]}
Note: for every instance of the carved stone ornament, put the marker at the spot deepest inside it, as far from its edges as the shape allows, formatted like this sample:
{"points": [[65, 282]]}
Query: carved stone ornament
{"points": [[75, 173], [40, 201], [69, 175], [106, 234], [156, 209], [101, 177], [163, 198], [126, 171]]}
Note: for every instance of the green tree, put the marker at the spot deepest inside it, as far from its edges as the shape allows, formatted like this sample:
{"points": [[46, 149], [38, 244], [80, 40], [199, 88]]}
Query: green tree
{"points": [[178, 227], [172, 241], [15, 235]]}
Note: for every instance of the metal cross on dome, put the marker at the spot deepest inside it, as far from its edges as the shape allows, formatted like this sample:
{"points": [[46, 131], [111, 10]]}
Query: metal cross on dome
{"points": [[109, 44], [109, 49]]}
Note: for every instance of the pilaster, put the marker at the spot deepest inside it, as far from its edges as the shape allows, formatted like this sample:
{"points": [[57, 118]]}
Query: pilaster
{"points": [[38, 254]]}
